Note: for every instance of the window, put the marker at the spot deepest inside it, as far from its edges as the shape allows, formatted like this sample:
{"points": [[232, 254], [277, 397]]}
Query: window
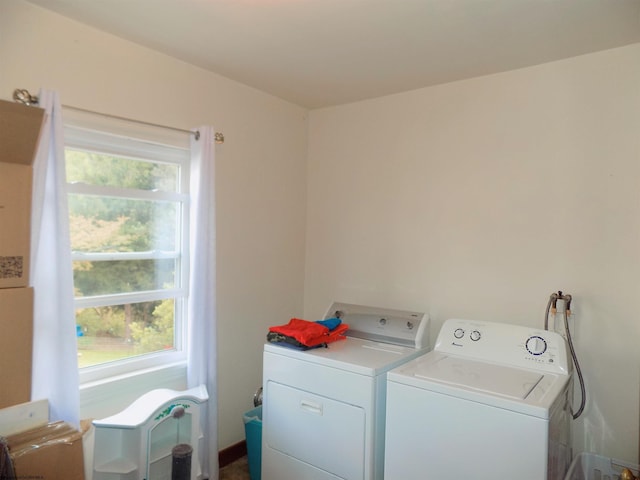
{"points": [[128, 201]]}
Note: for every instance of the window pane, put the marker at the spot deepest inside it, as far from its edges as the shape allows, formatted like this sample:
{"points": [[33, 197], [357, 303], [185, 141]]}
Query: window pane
{"points": [[110, 171], [122, 276], [107, 334], [126, 212], [105, 224]]}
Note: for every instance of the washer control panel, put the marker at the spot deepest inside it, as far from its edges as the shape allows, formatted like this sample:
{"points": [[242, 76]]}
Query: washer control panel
{"points": [[504, 343], [474, 334], [536, 345]]}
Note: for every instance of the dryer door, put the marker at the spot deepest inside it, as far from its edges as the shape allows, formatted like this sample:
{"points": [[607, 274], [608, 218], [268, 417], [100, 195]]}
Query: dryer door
{"points": [[319, 431]]}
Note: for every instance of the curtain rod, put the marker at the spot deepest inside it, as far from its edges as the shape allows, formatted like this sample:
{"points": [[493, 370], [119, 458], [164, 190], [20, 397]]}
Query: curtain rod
{"points": [[23, 96]]}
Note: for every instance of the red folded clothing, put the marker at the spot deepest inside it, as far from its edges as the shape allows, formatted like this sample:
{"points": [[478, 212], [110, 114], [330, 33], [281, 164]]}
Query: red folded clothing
{"points": [[310, 333]]}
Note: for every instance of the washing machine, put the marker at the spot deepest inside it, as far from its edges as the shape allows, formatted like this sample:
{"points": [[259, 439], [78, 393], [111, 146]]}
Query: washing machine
{"points": [[491, 401], [323, 411]]}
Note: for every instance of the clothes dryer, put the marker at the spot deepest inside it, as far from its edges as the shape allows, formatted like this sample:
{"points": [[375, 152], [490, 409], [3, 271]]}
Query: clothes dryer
{"points": [[323, 411], [491, 401]]}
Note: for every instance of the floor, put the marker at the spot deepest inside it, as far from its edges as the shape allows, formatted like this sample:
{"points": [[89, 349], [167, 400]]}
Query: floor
{"points": [[238, 470]]}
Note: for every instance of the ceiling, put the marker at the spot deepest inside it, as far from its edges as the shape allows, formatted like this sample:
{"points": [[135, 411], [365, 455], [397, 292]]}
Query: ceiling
{"points": [[318, 53]]}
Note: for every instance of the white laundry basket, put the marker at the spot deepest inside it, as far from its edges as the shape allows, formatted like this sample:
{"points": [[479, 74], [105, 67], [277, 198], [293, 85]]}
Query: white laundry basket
{"points": [[589, 466]]}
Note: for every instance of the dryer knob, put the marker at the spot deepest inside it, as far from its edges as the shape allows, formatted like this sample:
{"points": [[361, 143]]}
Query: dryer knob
{"points": [[475, 335], [459, 333]]}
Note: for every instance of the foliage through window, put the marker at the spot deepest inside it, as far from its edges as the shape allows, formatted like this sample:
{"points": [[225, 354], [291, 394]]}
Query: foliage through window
{"points": [[128, 204]]}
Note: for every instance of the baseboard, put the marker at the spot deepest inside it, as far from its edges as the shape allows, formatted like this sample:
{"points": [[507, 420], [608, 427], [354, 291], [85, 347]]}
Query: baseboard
{"points": [[232, 453]]}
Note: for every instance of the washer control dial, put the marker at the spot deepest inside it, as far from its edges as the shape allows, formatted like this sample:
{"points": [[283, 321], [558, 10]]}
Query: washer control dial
{"points": [[458, 333], [536, 345], [475, 335]]}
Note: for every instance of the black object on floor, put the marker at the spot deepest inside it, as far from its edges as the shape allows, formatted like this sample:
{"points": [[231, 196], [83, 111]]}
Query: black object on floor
{"points": [[181, 462]]}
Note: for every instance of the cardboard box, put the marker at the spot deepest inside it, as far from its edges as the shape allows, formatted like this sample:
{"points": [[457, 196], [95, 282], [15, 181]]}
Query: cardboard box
{"points": [[15, 224], [24, 416], [20, 128], [20, 131], [16, 345], [51, 452]]}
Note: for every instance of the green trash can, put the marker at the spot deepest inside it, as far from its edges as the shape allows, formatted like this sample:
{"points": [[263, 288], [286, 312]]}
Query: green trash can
{"points": [[253, 432]]}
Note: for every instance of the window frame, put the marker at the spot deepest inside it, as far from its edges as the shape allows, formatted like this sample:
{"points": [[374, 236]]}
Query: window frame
{"points": [[94, 133]]}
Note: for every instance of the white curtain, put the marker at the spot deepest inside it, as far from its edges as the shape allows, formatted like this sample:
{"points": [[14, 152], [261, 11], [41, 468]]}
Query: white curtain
{"points": [[202, 359], [55, 361]]}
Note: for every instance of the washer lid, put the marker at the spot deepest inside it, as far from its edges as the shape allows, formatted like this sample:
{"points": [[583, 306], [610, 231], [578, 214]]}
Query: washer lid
{"points": [[493, 379], [527, 391]]}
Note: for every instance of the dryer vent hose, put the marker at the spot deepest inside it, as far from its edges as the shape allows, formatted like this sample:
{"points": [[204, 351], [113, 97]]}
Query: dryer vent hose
{"points": [[257, 397], [552, 308]]}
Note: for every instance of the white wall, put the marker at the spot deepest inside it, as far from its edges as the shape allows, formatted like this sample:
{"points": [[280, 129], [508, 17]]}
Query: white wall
{"points": [[260, 184], [471, 199], [478, 199]]}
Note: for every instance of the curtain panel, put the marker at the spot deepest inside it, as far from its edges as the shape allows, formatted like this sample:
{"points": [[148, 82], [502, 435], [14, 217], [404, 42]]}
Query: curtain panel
{"points": [[55, 355], [201, 350]]}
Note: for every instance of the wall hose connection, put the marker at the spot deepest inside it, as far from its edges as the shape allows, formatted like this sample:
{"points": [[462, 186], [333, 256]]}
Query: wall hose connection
{"points": [[552, 307]]}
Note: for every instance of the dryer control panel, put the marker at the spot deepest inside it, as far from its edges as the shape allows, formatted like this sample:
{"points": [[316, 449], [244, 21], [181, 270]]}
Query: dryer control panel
{"points": [[384, 325], [503, 343]]}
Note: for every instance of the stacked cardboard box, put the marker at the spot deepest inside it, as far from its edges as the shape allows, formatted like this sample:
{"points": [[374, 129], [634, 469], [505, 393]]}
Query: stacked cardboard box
{"points": [[16, 340], [50, 451], [19, 136], [20, 128]]}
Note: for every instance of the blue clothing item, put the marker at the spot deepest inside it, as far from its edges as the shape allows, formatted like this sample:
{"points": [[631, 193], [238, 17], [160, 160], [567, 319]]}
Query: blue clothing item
{"points": [[330, 323]]}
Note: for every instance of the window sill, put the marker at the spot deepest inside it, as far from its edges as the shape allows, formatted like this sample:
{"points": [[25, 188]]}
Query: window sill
{"points": [[103, 398]]}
